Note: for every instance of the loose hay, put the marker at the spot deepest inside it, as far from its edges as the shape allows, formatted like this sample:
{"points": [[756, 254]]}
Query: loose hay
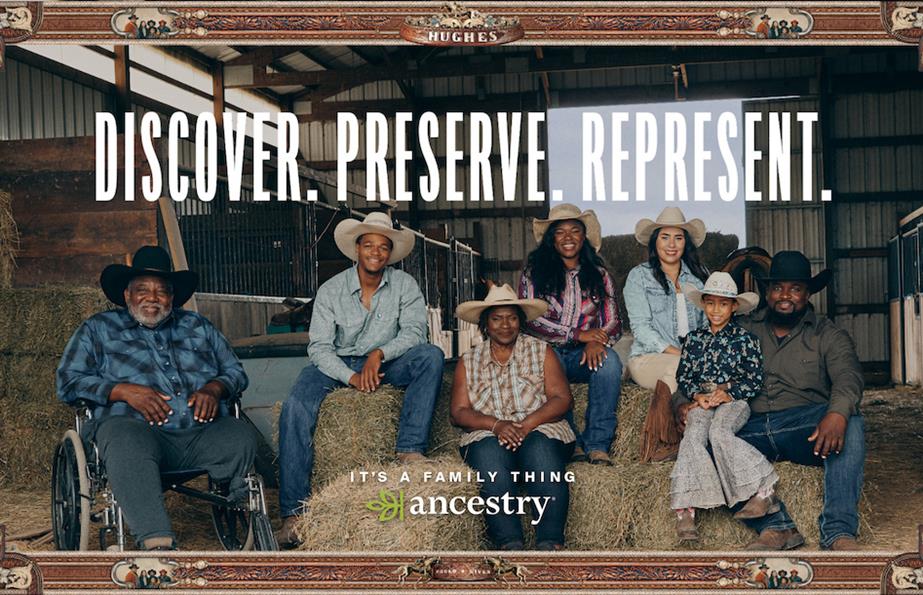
{"points": [[9, 239], [338, 519]]}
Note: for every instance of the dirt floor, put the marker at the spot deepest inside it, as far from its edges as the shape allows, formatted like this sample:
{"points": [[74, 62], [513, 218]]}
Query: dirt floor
{"points": [[893, 480]]}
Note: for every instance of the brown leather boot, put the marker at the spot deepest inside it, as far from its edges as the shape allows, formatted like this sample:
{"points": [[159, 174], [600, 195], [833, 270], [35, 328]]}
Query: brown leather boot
{"points": [[685, 526], [844, 544], [776, 540], [287, 537], [758, 507]]}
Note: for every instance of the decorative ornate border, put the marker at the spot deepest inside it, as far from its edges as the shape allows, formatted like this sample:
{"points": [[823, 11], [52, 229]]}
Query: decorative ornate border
{"points": [[544, 22], [469, 571]]}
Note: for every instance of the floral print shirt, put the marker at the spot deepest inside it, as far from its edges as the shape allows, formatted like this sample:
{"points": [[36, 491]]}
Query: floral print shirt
{"points": [[733, 354]]}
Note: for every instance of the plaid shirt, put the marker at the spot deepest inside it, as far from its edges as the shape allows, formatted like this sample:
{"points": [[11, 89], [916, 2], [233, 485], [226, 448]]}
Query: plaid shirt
{"points": [[177, 358], [573, 311], [511, 391]]}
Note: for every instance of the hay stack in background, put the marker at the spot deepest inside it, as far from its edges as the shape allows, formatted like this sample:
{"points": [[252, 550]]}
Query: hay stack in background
{"points": [[9, 240], [40, 321], [338, 518], [35, 325]]}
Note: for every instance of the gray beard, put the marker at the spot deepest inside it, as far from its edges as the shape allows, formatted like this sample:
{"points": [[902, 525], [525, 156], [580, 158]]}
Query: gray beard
{"points": [[148, 321]]}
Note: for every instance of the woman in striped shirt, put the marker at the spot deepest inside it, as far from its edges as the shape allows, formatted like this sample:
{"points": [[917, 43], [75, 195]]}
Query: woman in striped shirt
{"points": [[582, 323]]}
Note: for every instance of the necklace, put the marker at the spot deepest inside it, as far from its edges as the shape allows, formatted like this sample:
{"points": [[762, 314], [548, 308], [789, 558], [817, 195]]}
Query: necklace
{"points": [[493, 356]]}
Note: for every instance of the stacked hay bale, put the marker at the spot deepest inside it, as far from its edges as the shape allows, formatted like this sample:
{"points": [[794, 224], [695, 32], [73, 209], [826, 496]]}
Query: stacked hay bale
{"points": [[9, 239], [35, 325], [339, 517], [625, 506]]}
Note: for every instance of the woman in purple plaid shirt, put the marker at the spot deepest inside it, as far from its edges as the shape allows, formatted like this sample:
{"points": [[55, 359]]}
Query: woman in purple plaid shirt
{"points": [[582, 322]]}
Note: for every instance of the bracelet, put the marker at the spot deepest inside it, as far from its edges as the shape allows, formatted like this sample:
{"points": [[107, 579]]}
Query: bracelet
{"points": [[493, 427]]}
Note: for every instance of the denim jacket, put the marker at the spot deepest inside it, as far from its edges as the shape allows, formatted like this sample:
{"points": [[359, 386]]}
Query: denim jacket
{"points": [[652, 311]]}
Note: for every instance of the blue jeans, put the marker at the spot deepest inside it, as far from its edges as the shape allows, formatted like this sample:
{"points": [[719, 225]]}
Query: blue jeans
{"points": [[419, 370], [538, 453], [605, 390], [783, 436]]}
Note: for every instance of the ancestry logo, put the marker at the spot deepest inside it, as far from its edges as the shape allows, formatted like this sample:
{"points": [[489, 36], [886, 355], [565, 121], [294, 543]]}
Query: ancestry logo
{"points": [[391, 506]]}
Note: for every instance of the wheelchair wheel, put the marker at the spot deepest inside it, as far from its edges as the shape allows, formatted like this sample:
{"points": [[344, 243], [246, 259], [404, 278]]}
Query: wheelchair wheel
{"points": [[232, 525], [70, 495]]}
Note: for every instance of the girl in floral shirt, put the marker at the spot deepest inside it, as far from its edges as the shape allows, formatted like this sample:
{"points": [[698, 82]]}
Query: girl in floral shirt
{"points": [[721, 368]]}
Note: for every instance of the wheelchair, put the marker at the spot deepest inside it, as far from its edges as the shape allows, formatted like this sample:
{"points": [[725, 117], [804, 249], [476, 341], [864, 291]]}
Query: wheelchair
{"points": [[81, 495]]}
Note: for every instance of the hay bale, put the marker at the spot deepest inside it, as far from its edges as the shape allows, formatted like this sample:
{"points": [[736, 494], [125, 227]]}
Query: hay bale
{"points": [[603, 503], [40, 321], [9, 239], [28, 378], [801, 488], [30, 432], [632, 410], [338, 519], [355, 429], [443, 436]]}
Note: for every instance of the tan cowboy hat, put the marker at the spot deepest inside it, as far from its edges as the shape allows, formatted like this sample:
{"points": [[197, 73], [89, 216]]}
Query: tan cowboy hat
{"points": [[500, 295], [670, 217], [722, 285], [565, 212], [348, 231]]}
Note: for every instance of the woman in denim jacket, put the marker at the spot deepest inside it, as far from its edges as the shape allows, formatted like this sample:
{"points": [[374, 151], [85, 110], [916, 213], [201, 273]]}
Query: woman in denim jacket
{"points": [[660, 314]]}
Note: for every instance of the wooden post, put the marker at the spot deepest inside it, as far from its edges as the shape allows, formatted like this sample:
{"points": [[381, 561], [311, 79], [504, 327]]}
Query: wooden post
{"points": [[122, 65], [175, 242]]}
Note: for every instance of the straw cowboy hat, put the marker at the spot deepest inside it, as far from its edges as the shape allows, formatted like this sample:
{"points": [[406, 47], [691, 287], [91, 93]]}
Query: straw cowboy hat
{"points": [[670, 217], [148, 260], [500, 295], [565, 212], [791, 265], [348, 231], [722, 285]]}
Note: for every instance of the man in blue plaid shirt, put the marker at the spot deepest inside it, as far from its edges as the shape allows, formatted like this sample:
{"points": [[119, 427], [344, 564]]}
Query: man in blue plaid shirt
{"points": [[157, 378]]}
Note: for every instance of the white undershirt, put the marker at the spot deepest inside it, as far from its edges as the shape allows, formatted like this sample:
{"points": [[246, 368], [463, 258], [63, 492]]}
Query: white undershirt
{"points": [[682, 317]]}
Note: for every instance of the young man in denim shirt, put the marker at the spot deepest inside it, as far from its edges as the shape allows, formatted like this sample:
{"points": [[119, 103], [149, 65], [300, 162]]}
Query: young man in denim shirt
{"points": [[368, 327]]}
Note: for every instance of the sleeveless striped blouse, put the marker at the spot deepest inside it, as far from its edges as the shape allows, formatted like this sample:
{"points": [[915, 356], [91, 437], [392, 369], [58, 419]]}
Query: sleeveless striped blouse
{"points": [[511, 391]]}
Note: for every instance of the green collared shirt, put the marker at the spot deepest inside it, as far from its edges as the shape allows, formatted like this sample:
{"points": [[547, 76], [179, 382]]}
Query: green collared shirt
{"points": [[342, 327], [815, 364]]}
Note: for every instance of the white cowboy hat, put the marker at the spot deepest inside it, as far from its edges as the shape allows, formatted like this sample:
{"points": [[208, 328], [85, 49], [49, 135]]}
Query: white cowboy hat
{"points": [[722, 285], [670, 217], [565, 212], [500, 295], [348, 231]]}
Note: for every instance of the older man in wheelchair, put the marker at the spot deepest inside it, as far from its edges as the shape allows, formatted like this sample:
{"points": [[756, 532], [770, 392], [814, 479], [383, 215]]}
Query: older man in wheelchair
{"points": [[157, 385]]}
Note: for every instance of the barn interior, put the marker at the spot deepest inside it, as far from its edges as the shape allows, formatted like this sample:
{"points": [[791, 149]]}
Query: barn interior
{"points": [[252, 255]]}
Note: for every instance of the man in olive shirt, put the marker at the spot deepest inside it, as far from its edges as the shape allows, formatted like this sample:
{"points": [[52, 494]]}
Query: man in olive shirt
{"points": [[807, 412]]}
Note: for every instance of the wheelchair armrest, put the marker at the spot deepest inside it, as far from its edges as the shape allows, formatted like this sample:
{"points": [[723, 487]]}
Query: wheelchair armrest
{"points": [[234, 404]]}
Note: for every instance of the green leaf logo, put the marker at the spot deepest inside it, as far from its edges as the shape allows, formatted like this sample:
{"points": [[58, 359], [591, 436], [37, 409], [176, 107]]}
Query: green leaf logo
{"points": [[388, 506]]}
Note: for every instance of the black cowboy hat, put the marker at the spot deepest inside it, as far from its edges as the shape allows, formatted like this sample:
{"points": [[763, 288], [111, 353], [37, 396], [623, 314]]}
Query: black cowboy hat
{"points": [[148, 260], [791, 265]]}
